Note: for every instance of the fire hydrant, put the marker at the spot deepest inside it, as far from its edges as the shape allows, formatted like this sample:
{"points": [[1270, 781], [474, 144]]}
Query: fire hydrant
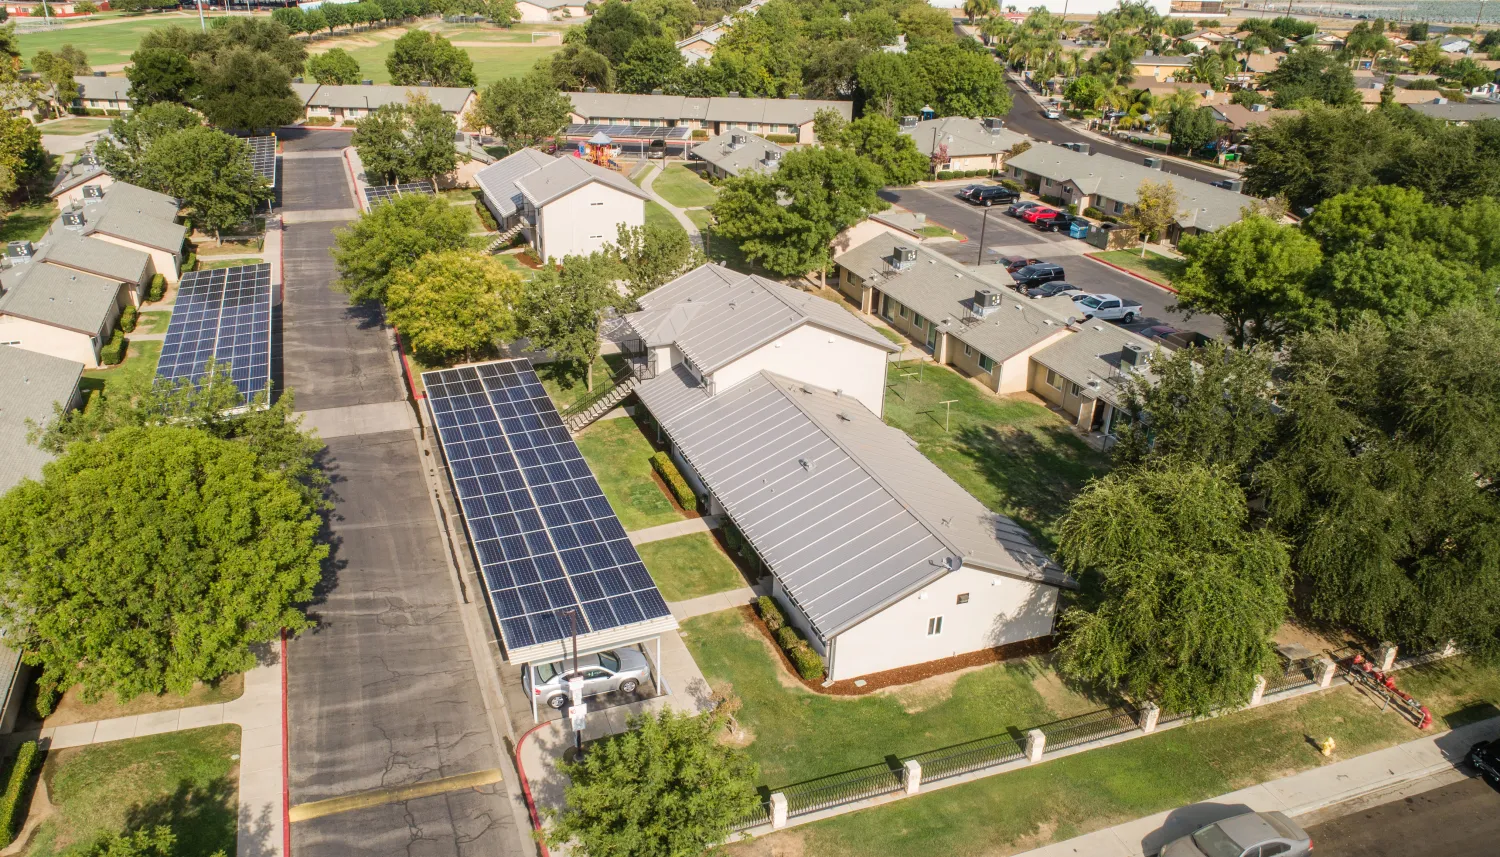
{"points": [[1326, 746]]}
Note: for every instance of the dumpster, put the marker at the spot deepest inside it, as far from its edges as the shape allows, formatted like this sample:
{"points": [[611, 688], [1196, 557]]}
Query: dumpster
{"points": [[1078, 230]]}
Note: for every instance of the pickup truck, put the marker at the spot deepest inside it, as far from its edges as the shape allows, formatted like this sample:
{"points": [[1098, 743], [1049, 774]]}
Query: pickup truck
{"points": [[1107, 307]]}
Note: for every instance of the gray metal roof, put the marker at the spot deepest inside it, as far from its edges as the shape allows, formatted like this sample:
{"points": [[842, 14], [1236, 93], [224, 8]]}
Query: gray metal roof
{"points": [[1471, 111], [70, 249], [30, 383], [498, 180], [604, 106], [107, 88], [749, 155], [62, 298], [1202, 205], [451, 98], [1091, 358], [699, 284], [564, 175], [734, 317], [848, 514], [672, 393], [964, 137]]}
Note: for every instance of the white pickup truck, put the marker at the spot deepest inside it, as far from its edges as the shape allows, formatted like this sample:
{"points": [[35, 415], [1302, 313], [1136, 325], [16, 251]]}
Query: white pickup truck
{"points": [[1107, 307]]}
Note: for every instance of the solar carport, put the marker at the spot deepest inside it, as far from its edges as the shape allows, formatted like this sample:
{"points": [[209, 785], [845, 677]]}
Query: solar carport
{"points": [[635, 139], [552, 554]]}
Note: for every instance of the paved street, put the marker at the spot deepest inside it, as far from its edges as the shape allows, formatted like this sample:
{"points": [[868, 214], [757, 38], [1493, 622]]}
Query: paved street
{"points": [[1458, 820], [1006, 235]]}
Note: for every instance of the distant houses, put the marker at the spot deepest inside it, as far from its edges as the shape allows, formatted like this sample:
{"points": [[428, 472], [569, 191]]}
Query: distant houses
{"points": [[791, 118], [564, 206], [543, 11], [733, 153], [352, 103]]}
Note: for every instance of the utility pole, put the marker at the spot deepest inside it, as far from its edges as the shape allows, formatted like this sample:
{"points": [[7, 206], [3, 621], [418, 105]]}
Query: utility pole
{"points": [[202, 24], [983, 223]]}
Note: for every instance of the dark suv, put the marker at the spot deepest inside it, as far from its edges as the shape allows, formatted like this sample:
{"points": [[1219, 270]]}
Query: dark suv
{"points": [[1035, 275], [1058, 222], [988, 196]]}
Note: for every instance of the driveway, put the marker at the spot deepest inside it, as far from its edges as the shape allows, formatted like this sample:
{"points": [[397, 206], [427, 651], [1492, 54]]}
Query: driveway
{"points": [[1458, 820], [295, 138], [1006, 235]]}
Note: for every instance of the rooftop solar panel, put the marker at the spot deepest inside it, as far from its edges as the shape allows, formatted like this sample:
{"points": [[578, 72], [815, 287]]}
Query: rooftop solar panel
{"points": [[630, 132], [381, 193], [223, 314], [546, 539], [263, 157]]}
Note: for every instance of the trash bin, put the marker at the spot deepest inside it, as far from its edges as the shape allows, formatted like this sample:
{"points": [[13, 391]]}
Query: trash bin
{"points": [[1078, 230]]}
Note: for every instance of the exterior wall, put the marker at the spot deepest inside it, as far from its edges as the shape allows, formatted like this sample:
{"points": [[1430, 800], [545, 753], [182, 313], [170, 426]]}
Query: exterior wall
{"points": [[162, 262], [463, 176], [850, 286], [974, 162], [817, 356], [905, 326], [969, 365], [805, 134], [866, 229], [1000, 610], [1075, 405], [585, 220], [75, 194], [1014, 371], [533, 14], [53, 341], [794, 616]]}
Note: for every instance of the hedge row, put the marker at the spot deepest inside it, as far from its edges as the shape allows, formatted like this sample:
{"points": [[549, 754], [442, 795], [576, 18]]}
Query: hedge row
{"points": [[486, 218], [114, 350], [318, 121], [781, 138], [665, 468], [157, 289], [128, 318], [966, 174], [809, 664], [15, 788], [190, 262], [1094, 213]]}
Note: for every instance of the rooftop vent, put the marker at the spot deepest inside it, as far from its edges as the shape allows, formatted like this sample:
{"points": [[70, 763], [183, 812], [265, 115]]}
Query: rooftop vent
{"points": [[1153, 163], [591, 89], [1234, 184], [736, 140], [1258, 108], [794, 96], [994, 124], [904, 258], [806, 464], [93, 191], [424, 83], [1133, 355], [656, 92], [73, 219], [986, 301], [773, 157], [908, 121], [18, 250], [734, 95]]}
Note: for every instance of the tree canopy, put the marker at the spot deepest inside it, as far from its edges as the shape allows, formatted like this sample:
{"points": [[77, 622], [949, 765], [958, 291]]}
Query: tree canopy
{"points": [[1309, 74], [210, 172], [878, 140], [653, 255], [454, 303], [422, 56], [406, 142], [391, 237], [561, 309], [246, 91], [336, 66], [123, 150], [1254, 274], [523, 111]]}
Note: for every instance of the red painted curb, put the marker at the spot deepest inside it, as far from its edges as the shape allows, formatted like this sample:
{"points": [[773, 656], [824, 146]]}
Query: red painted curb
{"points": [[536, 820], [411, 382], [1161, 286], [352, 180], [286, 788]]}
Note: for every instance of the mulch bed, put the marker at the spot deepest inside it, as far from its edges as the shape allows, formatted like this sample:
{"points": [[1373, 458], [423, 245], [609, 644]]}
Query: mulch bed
{"points": [[529, 261], [672, 498], [904, 675]]}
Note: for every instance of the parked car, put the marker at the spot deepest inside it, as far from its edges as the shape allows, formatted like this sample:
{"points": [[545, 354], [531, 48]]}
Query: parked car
{"points": [[1051, 290], [963, 192], [1035, 275], [1015, 263], [1254, 834], [1035, 214], [1171, 336], [1052, 111], [1019, 208], [1059, 222], [1108, 307], [1484, 757], [605, 672], [992, 195], [657, 150]]}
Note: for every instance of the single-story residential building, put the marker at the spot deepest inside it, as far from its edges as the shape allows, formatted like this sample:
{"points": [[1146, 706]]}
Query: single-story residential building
{"points": [[1203, 40], [1159, 67], [734, 152], [1238, 118], [789, 116], [543, 11], [565, 206], [86, 169], [905, 226], [98, 92], [1324, 41], [1110, 185], [1456, 113], [69, 251], [132, 217], [972, 144], [1370, 96], [699, 47], [63, 9], [350, 103], [63, 314]]}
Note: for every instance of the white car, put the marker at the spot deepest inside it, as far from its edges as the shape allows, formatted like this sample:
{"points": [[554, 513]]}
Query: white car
{"points": [[1052, 113], [604, 672]]}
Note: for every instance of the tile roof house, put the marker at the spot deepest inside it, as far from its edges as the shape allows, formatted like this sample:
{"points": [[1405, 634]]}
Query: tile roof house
{"points": [[734, 152], [348, 103], [792, 116], [131, 217], [564, 206], [972, 144], [98, 92], [1456, 113], [64, 314], [543, 11], [1159, 67]]}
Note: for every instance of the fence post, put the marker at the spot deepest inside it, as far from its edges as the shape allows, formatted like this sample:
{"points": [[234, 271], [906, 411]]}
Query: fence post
{"points": [[1036, 743], [1325, 672], [778, 810], [1150, 712], [912, 776], [1386, 656], [1259, 691]]}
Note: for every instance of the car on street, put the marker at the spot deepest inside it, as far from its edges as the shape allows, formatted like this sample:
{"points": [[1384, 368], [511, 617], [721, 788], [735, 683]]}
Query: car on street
{"points": [[992, 195], [1253, 834], [963, 192], [620, 670], [1036, 275], [1035, 214], [1107, 307], [1484, 757], [1019, 208], [1052, 111], [1059, 222], [1015, 263], [1051, 290]]}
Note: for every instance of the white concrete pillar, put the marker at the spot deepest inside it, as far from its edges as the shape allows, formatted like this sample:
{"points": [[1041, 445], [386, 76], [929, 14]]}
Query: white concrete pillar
{"points": [[1259, 691], [1386, 657], [912, 776], [1325, 672], [1450, 649], [778, 810], [1036, 743], [1150, 713]]}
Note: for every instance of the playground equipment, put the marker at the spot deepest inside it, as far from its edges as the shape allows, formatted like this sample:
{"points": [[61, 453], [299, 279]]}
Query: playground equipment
{"points": [[600, 150]]}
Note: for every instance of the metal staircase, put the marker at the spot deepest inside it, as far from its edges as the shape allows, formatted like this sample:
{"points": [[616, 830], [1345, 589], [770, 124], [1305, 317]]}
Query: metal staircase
{"points": [[504, 238], [584, 412]]}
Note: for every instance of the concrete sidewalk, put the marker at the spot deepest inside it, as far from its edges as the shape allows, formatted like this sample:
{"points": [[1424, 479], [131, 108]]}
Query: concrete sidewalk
{"points": [[673, 530], [1295, 795], [717, 601], [679, 214]]}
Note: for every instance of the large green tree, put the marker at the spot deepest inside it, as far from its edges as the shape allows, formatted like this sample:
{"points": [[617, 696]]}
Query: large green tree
{"points": [[407, 142], [667, 787], [390, 238], [246, 91], [1309, 74], [211, 173], [653, 255], [650, 63], [454, 303], [58, 70], [1193, 129], [160, 75], [560, 309], [153, 558], [1189, 592], [420, 55], [336, 66], [123, 149], [1254, 274], [523, 111], [879, 140]]}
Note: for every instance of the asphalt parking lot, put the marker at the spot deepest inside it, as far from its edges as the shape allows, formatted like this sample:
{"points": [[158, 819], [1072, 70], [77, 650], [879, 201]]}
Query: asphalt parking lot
{"points": [[1458, 820], [1006, 236]]}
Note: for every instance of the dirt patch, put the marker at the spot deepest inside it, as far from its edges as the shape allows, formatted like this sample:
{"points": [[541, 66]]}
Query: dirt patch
{"points": [[1309, 637], [1061, 699], [929, 692], [787, 843], [741, 737], [1035, 839]]}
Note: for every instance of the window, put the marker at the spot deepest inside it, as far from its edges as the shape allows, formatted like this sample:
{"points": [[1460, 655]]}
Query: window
{"points": [[963, 598], [967, 353], [918, 321], [934, 626], [595, 203], [986, 363], [1119, 209], [1046, 182], [900, 310], [1075, 390], [10, 342], [609, 661], [1274, 849], [1054, 380], [547, 672]]}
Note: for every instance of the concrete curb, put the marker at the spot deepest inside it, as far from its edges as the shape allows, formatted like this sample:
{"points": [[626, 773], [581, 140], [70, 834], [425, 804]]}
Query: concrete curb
{"points": [[1140, 277]]}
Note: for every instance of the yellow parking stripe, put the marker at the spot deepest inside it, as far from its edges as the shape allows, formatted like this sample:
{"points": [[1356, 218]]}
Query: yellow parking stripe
{"points": [[376, 797]]}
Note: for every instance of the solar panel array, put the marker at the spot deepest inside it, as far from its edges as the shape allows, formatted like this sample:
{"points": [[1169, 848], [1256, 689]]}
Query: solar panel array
{"points": [[223, 314], [263, 157], [630, 132], [381, 193], [546, 538]]}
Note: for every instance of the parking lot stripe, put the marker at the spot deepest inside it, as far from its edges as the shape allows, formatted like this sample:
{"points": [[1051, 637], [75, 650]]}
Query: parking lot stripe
{"points": [[378, 797]]}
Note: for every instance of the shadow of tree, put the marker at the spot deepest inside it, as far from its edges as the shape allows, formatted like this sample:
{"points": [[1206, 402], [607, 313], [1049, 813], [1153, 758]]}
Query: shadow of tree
{"points": [[1039, 470], [204, 818]]}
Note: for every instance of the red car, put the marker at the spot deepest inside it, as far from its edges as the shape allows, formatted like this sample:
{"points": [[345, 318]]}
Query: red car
{"points": [[1038, 213]]}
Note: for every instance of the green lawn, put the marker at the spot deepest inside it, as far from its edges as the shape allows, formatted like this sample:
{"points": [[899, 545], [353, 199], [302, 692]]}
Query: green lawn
{"points": [[1016, 456], [29, 222], [657, 215], [620, 457], [683, 188], [210, 264], [509, 261], [184, 780], [938, 232], [721, 249], [77, 125], [565, 385], [1077, 794], [690, 566], [134, 372], [1155, 267], [490, 63], [153, 321], [105, 44]]}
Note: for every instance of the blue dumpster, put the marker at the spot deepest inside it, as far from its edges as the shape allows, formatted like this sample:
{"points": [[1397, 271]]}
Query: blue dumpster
{"points": [[1078, 230]]}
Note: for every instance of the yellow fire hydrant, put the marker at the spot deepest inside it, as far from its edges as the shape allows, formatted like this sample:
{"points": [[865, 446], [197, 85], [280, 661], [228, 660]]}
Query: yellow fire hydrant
{"points": [[1326, 746]]}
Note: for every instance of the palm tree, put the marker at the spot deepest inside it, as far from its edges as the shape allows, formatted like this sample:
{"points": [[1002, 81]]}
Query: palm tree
{"points": [[1207, 68], [997, 30], [977, 9]]}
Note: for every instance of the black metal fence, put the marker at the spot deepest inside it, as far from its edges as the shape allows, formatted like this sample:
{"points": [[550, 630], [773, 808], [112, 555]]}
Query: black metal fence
{"points": [[1294, 674], [760, 815], [839, 789], [969, 756], [1104, 723]]}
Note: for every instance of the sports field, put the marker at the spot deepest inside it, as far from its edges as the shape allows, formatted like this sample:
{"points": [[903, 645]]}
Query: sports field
{"points": [[493, 57], [109, 43]]}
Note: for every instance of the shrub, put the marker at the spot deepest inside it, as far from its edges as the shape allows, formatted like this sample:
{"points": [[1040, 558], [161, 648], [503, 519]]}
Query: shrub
{"points": [[1051, 200], [1072, 208], [190, 262], [113, 351], [157, 289], [486, 218], [770, 613], [781, 138], [669, 474], [700, 133], [732, 538], [318, 121], [809, 663], [15, 788], [1012, 184], [786, 637], [128, 318], [1093, 212], [944, 175]]}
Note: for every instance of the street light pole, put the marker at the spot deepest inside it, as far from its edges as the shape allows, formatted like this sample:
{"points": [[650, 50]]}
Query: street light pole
{"points": [[202, 24], [983, 223]]}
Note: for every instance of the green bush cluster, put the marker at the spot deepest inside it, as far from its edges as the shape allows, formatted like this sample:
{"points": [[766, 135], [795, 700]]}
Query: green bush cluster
{"points": [[128, 317], [785, 139], [965, 174], [1072, 208], [1093, 213], [808, 663], [700, 133], [113, 351], [15, 788], [1051, 200], [665, 468], [1012, 184], [190, 262], [765, 607], [158, 288], [318, 121], [486, 218]]}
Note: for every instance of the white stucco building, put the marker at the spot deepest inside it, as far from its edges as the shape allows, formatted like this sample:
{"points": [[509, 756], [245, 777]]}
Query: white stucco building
{"points": [[564, 206]]}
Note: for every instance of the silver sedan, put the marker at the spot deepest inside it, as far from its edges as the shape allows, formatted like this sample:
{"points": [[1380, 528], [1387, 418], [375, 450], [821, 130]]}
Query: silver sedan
{"points": [[604, 672], [1254, 834]]}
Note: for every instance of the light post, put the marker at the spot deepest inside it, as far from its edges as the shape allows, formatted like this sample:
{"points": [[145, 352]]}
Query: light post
{"points": [[577, 709], [983, 224]]}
